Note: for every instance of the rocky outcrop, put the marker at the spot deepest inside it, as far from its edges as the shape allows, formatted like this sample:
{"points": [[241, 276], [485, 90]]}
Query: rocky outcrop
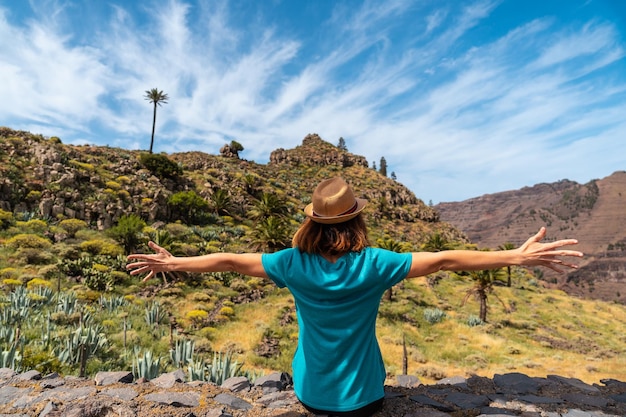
{"points": [[115, 394], [315, 151]]}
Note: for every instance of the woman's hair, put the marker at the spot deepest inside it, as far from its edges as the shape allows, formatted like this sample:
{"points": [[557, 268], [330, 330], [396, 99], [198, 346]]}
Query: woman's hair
{"points": [[332, 239]]}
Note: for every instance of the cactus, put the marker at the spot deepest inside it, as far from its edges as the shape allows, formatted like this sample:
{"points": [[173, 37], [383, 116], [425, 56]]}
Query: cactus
{"points": [[197, 371], [434, 315]]}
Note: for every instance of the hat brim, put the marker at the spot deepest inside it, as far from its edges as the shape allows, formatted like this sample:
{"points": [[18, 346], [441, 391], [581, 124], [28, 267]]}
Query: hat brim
{"points": [[308, 210]]}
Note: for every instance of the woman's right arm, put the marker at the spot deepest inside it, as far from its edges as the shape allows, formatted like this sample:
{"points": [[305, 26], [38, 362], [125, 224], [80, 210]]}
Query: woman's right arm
{"points": [[163, 261]]}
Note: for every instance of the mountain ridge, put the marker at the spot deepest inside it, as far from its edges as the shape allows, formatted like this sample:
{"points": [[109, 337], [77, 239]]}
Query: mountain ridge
{"points": [[593, 213]]}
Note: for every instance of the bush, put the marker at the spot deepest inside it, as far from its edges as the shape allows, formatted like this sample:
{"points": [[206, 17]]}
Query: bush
{"points": [[27, 240], [187, 205], [71, 226], [38, 282], [160, 166], [6, 219], [34, 256], [474, 321], [101, 247], [434, 315], [127, 231]]}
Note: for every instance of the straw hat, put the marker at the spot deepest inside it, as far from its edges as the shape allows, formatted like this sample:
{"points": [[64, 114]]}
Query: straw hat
{"points": [[334, 202]]}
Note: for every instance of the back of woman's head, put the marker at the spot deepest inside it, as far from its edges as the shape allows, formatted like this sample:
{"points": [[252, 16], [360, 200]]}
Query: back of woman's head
{"points": [[332, 239]]}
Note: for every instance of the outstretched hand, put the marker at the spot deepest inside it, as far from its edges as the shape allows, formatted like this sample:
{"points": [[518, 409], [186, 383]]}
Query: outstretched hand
{"points": [[535, 253], [160, 261]]}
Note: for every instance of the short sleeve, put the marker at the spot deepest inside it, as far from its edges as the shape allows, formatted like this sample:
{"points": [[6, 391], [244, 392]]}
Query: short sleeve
{"points": [[275, 264], [393, 267]]}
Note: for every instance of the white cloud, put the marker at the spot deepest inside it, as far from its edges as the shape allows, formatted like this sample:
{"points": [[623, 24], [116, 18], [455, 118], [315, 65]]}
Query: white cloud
{"points": [[454, 116]]}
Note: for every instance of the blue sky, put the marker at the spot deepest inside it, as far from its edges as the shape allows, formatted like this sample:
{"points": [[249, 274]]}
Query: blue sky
{"points": [[462, 98]]}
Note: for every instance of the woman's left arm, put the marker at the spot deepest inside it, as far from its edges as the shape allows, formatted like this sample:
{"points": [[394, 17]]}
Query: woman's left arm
{"points": [[531, 253]]}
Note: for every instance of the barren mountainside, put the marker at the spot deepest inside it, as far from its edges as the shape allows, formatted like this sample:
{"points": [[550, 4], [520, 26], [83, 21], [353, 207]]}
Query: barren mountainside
{"points": [[594, 213]]}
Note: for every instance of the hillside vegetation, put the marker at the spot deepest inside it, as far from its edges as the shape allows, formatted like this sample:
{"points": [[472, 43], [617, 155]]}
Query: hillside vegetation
{"points": [[70, 214]]}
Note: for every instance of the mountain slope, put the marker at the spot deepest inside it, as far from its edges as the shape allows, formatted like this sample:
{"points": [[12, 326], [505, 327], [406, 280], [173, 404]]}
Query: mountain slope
{"points": [[594, 213]]}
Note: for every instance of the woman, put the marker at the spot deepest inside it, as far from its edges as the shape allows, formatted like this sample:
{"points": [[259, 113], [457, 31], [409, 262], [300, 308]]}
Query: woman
{"points": [[337, 280]]}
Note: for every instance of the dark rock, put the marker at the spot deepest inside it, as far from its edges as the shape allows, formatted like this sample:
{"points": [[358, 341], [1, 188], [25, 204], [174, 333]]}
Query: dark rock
{"points": [[232, 401]]}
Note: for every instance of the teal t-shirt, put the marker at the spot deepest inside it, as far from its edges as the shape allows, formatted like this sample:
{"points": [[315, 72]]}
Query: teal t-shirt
{"points": [[337, 365]]}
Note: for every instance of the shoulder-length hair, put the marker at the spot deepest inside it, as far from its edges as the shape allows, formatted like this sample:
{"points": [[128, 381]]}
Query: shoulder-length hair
{"points": [[332, 239]]}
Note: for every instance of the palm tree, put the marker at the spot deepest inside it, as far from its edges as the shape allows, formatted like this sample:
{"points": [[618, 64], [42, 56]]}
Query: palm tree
{"points": [[271, 234], [220, 201], [157, 97], [436, 243], [483, 286], [507, 246], [269, 205]]}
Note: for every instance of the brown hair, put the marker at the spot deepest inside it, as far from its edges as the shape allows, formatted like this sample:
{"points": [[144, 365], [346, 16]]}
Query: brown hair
{"points": [[332, 239]]}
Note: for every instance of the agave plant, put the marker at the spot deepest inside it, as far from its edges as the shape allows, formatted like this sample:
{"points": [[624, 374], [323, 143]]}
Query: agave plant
{"points": [[80, 345], [154, 315], [11, 358], [182, 353], [146, 366]]}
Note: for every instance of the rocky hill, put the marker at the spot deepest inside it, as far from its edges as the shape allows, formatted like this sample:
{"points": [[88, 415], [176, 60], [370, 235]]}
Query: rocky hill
{"points": [[42, 177], [594, 213]]}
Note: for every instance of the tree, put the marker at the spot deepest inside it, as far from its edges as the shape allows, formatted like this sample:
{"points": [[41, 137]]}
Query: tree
{"points": [[157, 97], [271, 234], [393, 176], [342, 144], [269, 205], [383, 166], [220, 202], [483, 286], [507, 246], [436, 243]]}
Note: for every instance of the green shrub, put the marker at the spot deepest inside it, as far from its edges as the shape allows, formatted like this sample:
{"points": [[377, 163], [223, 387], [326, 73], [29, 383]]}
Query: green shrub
{"points": [[28, 240], [34, 256], [9, 272], [71, 226], [33, 195], [160, 166], [101, 247], [6, 219], [113, 185], [187, 205], [434, 315], [127, 231]]}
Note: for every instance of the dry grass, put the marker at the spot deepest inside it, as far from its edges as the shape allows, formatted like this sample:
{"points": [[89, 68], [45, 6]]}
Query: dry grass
{"points": [[549, 333]]}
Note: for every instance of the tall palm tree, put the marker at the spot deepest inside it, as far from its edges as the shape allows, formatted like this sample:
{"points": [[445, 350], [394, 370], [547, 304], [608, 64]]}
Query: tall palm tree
{"points": [[157, 97]]}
